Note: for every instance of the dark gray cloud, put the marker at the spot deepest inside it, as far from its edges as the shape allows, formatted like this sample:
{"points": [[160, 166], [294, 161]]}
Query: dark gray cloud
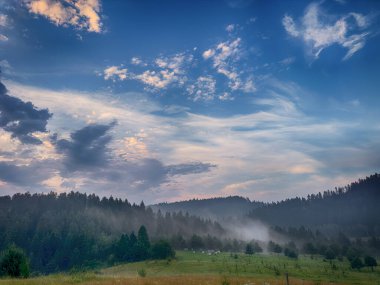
{"points": [[145, 174], [25, 175], [21, 118], [148, 173], [189, 168], [87, 147]]}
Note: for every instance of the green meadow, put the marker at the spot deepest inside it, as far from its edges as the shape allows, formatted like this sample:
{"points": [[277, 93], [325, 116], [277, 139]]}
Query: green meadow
{"points": [[224, 268]]}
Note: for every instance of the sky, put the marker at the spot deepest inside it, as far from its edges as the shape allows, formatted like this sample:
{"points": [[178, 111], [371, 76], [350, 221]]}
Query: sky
{"points": [[173, 100]]}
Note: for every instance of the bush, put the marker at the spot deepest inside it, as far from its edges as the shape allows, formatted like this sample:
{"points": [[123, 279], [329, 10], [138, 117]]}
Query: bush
{"points": [[257, 247], [329, 254], [14, 263], [141, 272], [290, 253], [356, 263], [274, 247], [370, 262], [162, 250], [249, 249]]}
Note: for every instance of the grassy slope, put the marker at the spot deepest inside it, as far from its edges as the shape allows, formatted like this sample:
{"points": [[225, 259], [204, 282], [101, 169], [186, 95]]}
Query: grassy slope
{"points": [[196, 268]]}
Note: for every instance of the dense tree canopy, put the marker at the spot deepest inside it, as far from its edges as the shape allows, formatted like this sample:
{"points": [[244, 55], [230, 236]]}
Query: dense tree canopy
{"points": [[59, 232], [353, 209]]}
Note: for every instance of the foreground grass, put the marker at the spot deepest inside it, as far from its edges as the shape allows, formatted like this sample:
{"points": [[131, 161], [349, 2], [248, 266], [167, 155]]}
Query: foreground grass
{"points": [[223, 269]]}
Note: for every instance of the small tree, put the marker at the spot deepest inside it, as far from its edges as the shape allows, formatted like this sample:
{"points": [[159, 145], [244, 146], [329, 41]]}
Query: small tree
{"points": [[14, 263], [309, 248], [291, 253], [274, 247], [143, 238], [356, 263], [142, 246], [257, 247], [249, 249], [162, 249], [369, 261], [196, 242], [330, 254]]}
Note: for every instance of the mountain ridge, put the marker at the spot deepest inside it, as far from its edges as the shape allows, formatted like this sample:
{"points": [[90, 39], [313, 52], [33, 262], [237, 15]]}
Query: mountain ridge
{"points": [[214, 208]]}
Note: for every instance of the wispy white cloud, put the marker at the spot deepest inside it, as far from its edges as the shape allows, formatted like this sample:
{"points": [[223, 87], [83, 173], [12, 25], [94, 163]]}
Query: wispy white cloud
{"points": [[318, 31], [226, 77], [204, 88], [226, 97], [115, 72], [157, 79], [222, 55], [287, 61], [176, 63], [137, 61], [81, 14], [165, 71], [135, 138], [290, 26], [230, 28], [3, 24], [3, 20], [253, 152], [225, 57]]}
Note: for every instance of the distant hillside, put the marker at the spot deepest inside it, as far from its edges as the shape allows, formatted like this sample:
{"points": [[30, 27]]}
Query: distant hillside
{"points": [[214, 208], [354, 208], [62, 231]]}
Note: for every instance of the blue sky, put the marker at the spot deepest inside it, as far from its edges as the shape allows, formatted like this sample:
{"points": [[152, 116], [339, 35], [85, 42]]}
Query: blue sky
{"points": [[171, 100]]}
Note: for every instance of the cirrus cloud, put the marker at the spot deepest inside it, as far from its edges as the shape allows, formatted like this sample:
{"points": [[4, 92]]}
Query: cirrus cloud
{"points": [[318, 32]]}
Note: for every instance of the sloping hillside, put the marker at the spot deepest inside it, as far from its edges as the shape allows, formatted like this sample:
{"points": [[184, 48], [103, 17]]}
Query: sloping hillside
{"points": [[355, 207], [214, 208]]}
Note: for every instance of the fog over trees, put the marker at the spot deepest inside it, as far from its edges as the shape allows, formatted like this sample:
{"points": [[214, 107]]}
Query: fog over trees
{"points": [[76, 230]]}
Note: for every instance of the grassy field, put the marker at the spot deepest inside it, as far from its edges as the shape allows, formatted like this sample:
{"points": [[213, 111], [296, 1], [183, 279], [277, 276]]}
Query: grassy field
{"points": [[223, 269]]}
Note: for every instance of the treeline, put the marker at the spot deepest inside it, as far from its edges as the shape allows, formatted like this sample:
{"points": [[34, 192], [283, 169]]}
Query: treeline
{"points": [[353, 209], [55, 254], [60, 232], [216, 208], [359, 254], [305, 241], [207, 242]]}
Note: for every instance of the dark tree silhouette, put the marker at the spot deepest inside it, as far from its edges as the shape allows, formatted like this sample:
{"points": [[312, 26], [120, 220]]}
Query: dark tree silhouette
{"points": [[369, 261], [356, 263], [162, 249], [249, 249], [14, 263]]}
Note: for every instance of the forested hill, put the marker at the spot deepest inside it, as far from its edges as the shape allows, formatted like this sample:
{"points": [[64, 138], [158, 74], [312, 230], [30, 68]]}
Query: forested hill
{"points": [[215, 208], [24, 214], [355, 207], [61, 231]]}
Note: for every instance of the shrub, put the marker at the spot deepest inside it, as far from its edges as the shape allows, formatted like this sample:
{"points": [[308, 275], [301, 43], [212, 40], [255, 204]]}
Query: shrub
{"points": [[370, 262], [274, 247], [249, 249], [162, 250], [14, 263], [356, 263], [141, 272], [329, 254], [290, 253]]}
